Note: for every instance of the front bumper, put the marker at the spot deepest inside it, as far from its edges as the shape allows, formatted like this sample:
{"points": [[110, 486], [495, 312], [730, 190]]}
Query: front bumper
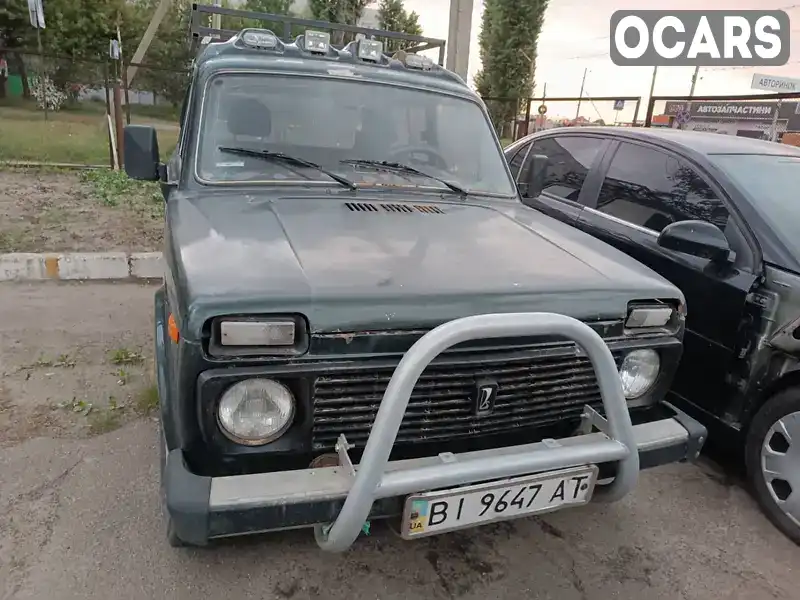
{"points": [[204, 508], [338, 500]]}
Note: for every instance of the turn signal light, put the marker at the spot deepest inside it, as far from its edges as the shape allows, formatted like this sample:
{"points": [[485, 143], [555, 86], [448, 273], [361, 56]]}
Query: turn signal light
{"points": [[172, 329]]}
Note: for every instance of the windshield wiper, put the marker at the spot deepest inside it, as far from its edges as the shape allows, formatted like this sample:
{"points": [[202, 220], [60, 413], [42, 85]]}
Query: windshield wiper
{"points": [[270, 155], [395, 166]]}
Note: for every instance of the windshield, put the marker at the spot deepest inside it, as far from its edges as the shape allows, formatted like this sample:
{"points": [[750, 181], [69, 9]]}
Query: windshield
{"points": [[770, 182], [327, 121]]}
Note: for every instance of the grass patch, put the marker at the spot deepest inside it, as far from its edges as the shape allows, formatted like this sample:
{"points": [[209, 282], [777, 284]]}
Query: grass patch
{"points": [[113, 187], [62, 361], [139, 112], [124, 356], [147, 401], [104, 417], [163, 112], [103, 421], [11, 241], [76, 405], [123, 377], [68, 136]]}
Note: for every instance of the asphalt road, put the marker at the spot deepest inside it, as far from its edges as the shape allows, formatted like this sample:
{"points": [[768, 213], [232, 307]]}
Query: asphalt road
{"points": [[79, 513]]}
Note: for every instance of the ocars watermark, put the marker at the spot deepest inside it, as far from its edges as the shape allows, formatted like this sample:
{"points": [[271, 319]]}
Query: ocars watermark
{"points": [[700, 38]]}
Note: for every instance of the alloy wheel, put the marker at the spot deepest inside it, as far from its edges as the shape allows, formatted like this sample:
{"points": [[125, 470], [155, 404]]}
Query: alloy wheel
{"points": [[780, 464]]}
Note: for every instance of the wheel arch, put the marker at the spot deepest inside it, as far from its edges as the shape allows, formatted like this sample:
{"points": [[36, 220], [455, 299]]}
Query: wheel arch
{"points": [[165, 394], [788, 379]]}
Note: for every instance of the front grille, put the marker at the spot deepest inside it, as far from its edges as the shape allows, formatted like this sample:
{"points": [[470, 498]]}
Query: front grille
{"points": [[533, 391]]}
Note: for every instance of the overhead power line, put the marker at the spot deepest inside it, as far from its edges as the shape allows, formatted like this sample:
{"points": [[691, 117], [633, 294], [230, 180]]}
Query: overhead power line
{"points": [[791, 62], [596, 55]]}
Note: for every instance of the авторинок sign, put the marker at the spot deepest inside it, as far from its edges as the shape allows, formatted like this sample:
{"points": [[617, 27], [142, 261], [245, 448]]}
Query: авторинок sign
{"points": [[773, 83], [702, 38]]}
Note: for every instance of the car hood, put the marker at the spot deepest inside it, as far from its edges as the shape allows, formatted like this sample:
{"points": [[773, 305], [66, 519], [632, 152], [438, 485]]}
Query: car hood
{"points": [[367, 264]]}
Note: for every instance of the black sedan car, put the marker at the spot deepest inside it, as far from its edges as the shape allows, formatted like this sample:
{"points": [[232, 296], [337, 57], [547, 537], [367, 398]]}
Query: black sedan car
{"points": [[719, 217]]}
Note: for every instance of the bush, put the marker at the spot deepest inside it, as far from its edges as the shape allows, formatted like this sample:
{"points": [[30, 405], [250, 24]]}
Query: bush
{"points": [[44, 90]]}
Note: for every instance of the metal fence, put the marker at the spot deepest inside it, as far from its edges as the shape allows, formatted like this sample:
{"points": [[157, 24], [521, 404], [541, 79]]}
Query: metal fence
{"points": [[514, 118], [57, 109]]}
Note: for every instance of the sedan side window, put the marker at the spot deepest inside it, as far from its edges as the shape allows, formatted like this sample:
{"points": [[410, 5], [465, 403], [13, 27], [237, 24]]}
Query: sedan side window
{"points": [[515, 160], [652, 189], [569, 160]]}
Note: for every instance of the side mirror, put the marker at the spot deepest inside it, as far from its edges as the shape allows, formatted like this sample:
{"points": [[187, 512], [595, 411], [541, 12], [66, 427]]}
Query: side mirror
{"points": [[141, 153], [698, 238], [536, 176]]}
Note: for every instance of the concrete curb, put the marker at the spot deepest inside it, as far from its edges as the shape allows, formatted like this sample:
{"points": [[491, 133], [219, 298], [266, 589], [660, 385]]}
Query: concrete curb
{"points": [[70, 266]]}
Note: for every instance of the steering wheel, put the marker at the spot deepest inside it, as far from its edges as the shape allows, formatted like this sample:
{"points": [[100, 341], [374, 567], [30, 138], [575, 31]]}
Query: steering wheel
{"points": [[411, 155]]}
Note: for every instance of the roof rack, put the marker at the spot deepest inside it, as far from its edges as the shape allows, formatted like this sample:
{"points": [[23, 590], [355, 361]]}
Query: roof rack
{"points": [[200, 30]]}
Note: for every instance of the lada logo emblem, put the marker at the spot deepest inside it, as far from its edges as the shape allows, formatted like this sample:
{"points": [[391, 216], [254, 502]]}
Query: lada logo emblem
{"points": [[484, 397]]}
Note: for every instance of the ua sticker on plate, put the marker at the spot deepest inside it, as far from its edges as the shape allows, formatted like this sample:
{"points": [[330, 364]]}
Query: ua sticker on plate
{"points": [[418, 516]]}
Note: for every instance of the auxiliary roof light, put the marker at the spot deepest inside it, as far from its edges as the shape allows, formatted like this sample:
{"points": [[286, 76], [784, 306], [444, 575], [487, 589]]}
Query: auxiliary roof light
{"points": [[260, 38], [317, 41], [417, 61], [370, 49]]}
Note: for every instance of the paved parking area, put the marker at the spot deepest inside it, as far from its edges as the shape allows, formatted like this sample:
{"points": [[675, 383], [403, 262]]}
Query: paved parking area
{"points": [[79, 514]]}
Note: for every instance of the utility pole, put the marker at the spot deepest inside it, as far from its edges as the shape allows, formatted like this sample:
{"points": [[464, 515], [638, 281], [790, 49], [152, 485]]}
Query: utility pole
{"points": [[541, 120], [36, 13], [691, 92], [216, 20], [147, 38], [650, 97], [773, 130], [583, 82], [653, 82], [458, 38], [694, 81], [42, 80]]}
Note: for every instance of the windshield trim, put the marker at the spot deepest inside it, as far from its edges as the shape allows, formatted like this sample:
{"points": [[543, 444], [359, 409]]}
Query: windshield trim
{"points": [[323, 183]]}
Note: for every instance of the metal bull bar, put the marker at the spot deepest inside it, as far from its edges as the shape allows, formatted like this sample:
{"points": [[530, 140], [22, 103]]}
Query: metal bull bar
{"points": [[371, 480]]}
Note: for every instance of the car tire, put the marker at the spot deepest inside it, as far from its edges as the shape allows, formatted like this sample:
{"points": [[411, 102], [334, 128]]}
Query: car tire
{"points": [[766, 443], [172, 535]]}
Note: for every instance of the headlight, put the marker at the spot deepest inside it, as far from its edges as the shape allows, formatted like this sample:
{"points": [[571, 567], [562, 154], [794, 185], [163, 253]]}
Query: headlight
{"points": [[256, 411], [638, 372]]}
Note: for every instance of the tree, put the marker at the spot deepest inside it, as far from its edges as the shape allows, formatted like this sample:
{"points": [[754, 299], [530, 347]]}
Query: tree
{"points": [[338, 11], [15, 28], [508, 40], [76, 30], [347, 12], [169, 55], [274, 7], [392, 16], [81, 28]]}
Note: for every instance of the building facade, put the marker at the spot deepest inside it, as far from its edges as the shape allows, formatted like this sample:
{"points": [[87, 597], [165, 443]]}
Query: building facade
{"points": [[751, 119]]}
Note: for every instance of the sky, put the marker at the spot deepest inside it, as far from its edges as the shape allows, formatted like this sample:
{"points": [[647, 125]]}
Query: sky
{"points": [[575, 37]]}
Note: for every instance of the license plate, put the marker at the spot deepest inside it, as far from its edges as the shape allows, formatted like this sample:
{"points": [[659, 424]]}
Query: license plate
{"points": [[446, 510]]}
